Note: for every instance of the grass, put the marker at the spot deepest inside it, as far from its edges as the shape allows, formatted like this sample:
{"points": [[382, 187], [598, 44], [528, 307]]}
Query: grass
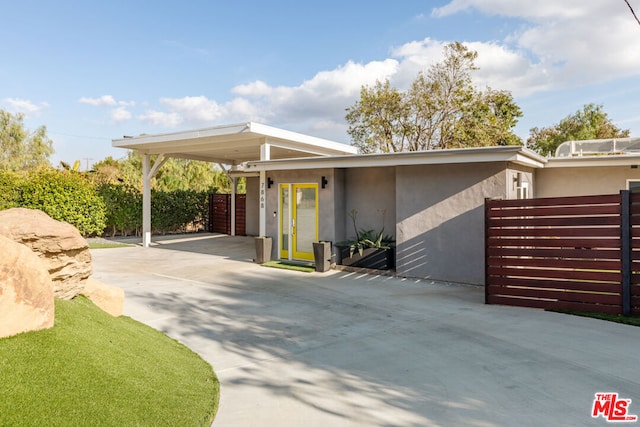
{"points": [[96, 245], [290, 266], [627, 320], [92, 369]]}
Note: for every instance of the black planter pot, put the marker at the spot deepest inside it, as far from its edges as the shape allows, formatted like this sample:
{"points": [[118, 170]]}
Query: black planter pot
{"points": [[376, 258]]}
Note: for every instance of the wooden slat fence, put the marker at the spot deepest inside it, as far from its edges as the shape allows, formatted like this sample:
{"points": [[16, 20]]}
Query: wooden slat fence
{"points": [[572, 253], [220, 214]]}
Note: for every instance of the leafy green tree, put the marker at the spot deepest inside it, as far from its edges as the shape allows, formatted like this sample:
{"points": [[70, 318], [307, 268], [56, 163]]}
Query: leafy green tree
{"points": [[21, 149], [175, 174], [441, 109], [589, 123]]}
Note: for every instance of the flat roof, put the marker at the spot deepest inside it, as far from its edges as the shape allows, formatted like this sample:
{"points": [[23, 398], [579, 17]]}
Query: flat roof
{"points": [[597, 161], [514, 154], [234, 144]]}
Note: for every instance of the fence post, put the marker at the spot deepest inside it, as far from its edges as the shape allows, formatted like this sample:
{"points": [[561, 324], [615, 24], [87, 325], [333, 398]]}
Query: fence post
{"points": [[625, 235]]}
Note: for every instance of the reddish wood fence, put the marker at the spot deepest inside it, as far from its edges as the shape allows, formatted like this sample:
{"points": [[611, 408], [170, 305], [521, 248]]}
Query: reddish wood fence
{"points": [[573, 253], [220, 214]]}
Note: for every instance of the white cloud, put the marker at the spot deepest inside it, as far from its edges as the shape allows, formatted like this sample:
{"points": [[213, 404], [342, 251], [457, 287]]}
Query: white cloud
{"points": [[120, 114], [159, 118], [561, 45], [542, 9], [24, 106], [555, 46], [103, 101]]}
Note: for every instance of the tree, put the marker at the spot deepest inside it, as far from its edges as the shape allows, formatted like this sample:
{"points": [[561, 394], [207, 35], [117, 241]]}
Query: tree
{"points": [[21, 149], [175, 174], [441, 109], [589, 123]]}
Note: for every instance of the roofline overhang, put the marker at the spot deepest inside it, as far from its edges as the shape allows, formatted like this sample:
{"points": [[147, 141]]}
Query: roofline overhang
{"points": [[514, 154], [271, 135], [594, 161]]}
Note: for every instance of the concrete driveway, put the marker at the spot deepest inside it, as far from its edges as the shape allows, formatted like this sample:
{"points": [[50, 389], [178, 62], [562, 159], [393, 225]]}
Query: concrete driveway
{"points": [[346, 349]]}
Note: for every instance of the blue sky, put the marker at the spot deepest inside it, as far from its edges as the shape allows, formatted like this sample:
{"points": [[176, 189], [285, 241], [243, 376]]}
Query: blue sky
{"points": [[94, 71]]}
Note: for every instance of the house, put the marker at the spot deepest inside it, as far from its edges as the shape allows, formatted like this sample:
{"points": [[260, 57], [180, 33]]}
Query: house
{"points": [[300, 189]]}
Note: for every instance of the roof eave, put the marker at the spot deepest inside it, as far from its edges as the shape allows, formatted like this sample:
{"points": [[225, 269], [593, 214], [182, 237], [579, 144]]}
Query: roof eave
{"points": [[594, 161], [514, 154]]}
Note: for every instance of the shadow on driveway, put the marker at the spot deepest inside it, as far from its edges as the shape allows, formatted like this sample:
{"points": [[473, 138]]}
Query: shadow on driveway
{"points": [[342, 348]]}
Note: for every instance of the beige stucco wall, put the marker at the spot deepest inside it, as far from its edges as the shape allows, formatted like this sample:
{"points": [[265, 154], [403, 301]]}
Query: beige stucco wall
{"points": [[583, 181], [525, 175], [440, 219]]}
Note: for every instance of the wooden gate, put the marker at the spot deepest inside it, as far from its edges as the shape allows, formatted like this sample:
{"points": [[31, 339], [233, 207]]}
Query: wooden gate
{"points": [[574, 253], [220, 214]]}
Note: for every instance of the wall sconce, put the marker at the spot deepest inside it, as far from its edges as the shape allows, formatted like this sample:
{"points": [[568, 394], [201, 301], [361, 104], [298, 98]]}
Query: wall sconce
{"points": [[324, 182], [269, 182], [517, 180]]}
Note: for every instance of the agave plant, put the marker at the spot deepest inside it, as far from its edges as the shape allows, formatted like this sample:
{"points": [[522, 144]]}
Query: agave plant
{"points": [[367, 238]]}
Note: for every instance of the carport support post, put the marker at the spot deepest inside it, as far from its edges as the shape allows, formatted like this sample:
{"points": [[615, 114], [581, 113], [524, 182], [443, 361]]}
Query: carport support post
{"points": [[148, 172], [234, 181], [265, 154]]}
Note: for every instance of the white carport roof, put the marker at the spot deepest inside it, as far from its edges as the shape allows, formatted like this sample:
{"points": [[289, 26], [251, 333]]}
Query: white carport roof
{"points": [[231, 145], [234, 144]]}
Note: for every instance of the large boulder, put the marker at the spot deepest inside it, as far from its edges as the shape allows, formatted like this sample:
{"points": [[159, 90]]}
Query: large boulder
{"points": [[60, 245], [26, 292], [108, 298]]}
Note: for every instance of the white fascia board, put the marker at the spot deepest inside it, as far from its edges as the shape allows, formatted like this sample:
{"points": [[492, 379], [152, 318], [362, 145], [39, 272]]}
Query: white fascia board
{"points": [[593, 161], [139, 141], [489, 154], [305, 150], [301, 139]]}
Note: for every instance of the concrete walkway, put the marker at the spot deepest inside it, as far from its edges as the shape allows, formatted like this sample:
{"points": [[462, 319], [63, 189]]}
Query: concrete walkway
{"points": [[346, 349]]}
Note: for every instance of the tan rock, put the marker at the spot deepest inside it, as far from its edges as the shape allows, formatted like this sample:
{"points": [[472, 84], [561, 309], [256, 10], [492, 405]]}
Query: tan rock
{"points": [[60, 245], [26, 291], [108, 298]]}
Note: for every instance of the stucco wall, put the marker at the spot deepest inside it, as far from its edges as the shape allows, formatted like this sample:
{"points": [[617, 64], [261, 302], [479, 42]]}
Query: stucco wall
{"points": [[253, 207], [525, 175], [583, 181], [440, 219], [372, 192], [326, 201]]}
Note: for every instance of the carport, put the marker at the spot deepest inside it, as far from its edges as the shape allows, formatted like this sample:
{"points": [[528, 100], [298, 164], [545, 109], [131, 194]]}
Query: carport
{"points": [[230, 146]]}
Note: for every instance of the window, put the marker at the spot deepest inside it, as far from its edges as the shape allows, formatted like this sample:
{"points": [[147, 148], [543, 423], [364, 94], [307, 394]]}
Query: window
{"points": [[523, 190], [633, 185]]}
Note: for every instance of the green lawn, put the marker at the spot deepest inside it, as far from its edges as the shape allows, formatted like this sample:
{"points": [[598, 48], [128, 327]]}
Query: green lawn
{"points": [[290, 266], [92, 369], [627, 320], [97, 245]]}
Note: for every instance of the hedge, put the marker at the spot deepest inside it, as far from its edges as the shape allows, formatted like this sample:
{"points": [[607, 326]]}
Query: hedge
{"points": [[101, 209], [63, 195]]}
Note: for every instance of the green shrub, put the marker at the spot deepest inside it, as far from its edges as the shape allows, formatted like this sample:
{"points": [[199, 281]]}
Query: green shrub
{"points": [[105, 208], [178, 210], [123, 209], [65, 196], [10, 189]]}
